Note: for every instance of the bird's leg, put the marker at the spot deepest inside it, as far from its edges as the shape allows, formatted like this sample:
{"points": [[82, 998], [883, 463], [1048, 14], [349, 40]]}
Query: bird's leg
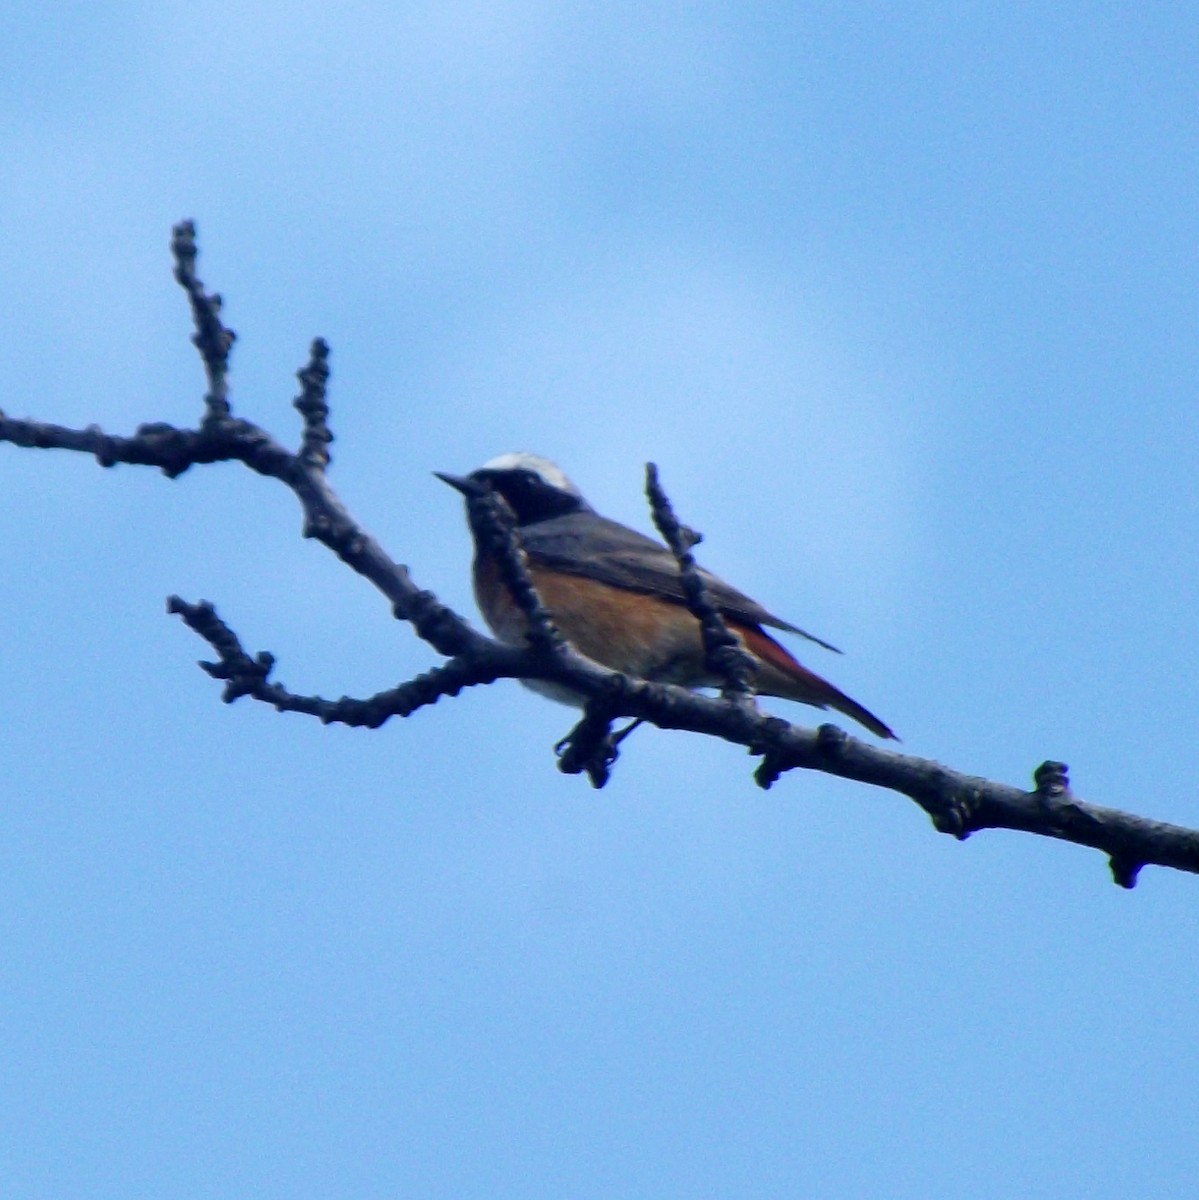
{"points": [[592, 747]]}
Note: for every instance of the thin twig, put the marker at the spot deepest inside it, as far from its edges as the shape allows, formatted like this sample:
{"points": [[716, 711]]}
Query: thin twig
{"points": [[727, 658], [312, 404], [958, 804], [212, 338], [494, 526], [250, 676]]}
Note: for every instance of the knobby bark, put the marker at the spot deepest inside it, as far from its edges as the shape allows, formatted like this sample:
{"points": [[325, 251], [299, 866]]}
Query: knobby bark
{"points": [[957, 803]]}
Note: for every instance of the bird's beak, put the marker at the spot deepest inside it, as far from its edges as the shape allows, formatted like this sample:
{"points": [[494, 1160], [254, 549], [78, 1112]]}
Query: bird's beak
{"points": [[463, 484]]}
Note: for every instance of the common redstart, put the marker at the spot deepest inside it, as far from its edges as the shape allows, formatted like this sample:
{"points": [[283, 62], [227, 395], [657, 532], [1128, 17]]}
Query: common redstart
{"points": [[617, 597]]}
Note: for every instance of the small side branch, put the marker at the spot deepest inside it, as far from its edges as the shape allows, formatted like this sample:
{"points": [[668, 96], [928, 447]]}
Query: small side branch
{"points": [[250, 676], [494, 527], [312, 404], [727, 659], [958, 804], [961, 804], [212, 339]]}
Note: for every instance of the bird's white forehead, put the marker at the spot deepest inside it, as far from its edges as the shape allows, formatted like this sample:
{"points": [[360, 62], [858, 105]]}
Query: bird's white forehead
{"points": [[522, 460]]}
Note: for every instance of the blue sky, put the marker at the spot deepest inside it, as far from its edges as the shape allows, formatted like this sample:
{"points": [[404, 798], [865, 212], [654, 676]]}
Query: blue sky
{"points": [[902, 300]]}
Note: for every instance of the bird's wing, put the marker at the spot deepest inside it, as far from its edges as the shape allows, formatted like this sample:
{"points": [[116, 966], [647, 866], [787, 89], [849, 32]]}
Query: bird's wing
{"points": [[593, 547]]}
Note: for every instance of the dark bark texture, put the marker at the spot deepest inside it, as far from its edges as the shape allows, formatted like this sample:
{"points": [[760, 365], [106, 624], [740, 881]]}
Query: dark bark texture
{"points": [[957, 803]]}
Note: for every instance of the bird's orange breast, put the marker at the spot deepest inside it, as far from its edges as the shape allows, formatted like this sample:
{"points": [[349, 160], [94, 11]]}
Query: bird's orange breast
{"points": [[654, 638], [631, 632]]}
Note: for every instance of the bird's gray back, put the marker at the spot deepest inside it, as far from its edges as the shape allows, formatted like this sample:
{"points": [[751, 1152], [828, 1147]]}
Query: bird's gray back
{"points": [[594, 547]]}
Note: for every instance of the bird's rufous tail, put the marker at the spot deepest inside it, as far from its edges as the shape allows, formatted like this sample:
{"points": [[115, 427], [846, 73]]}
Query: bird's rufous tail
{"points": [[780, 675]]}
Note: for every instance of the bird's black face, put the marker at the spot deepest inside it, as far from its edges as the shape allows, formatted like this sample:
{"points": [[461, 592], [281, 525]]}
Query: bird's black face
{"points": [[531, 497]]}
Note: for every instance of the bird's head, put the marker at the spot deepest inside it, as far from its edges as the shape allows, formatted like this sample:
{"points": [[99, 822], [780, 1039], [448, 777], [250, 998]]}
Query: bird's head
{"points": [[535, 488]]}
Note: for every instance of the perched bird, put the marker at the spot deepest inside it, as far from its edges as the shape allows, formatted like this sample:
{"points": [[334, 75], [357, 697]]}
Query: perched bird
{"points": [[617, 595]]}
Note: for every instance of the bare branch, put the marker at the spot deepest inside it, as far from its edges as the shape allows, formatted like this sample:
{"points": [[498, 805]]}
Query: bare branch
{"points": [[957, 803], [246, 676], [727, 658], [312, 405], [494, 526], [212, 338]]}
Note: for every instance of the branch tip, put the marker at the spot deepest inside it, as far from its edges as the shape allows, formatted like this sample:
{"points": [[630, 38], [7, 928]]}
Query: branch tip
{"points": [[212, 338], [312, 404]]}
